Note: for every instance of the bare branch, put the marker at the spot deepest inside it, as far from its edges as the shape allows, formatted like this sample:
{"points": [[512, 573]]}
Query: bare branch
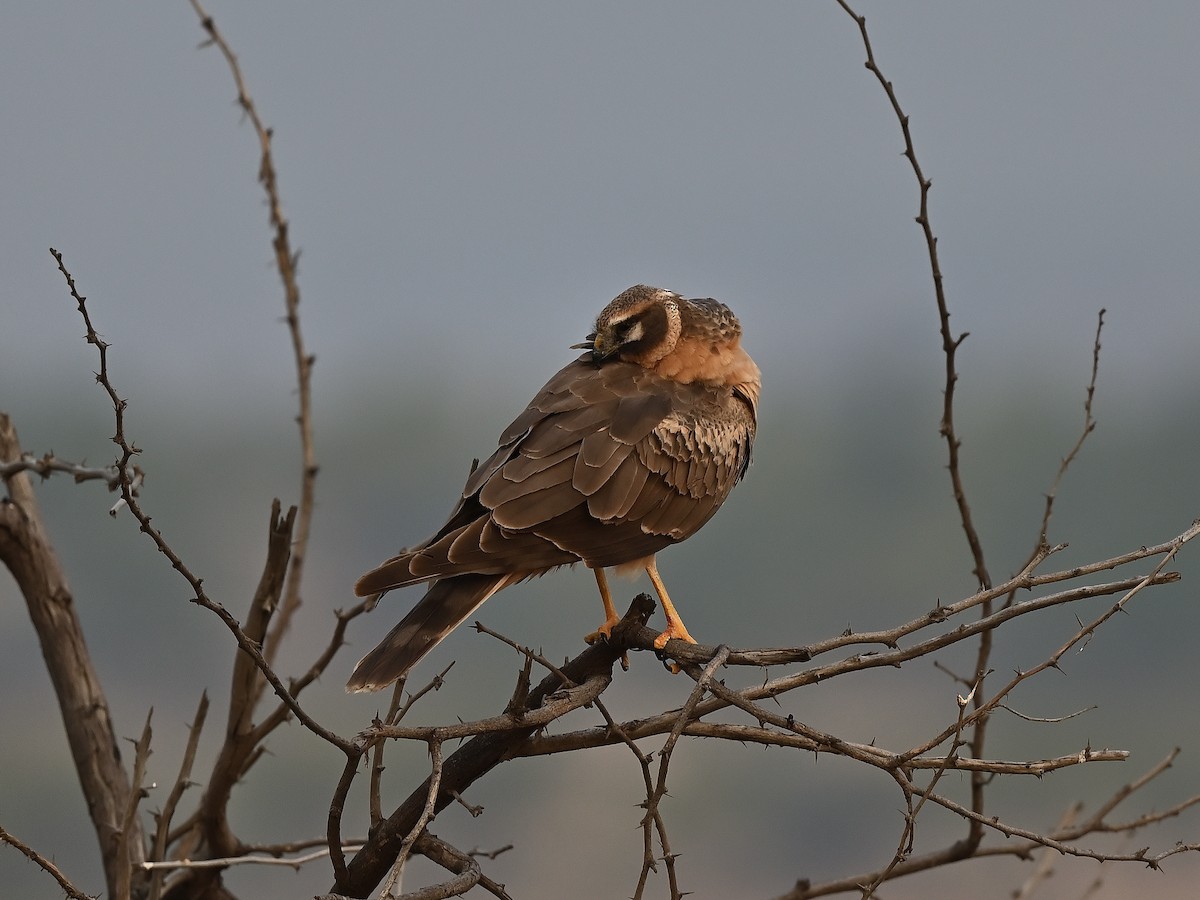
{"points": [[654, 798], [649, 863], [48, 464], [1048, 720], [130, 853], [434, 782], [569, 699], [46, 865], [1058, 841], [908, 834], [182, 782], [200, 597], [296, 685], [662, 723], [1095, 821], [249, 859], [242, 739], [1046, 858], [996, 824], [1089, 425], [285, 262], [463, 864], [983, 709], [591, 669], [26, 551], [887, 759], [1024, 581], [950, 343], [520, 648]]}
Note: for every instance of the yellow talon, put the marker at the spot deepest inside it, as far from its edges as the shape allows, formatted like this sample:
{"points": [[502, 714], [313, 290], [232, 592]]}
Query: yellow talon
{"points": [[675, 626], [604, 632], [674, 630]]}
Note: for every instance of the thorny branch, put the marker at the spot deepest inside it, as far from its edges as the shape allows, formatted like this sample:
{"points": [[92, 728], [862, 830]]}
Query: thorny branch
{"points": [[1089, 425], [654, 797], [286, 262], [253, 670], [774, 687], [182, 782], [46, 865], [590, 672], [950, 345], [48, 464], [1056, 840], [435, 782], [129, 829], [200, 596]]}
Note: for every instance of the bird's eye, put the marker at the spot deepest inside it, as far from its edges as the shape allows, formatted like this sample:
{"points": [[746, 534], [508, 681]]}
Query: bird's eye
{"points": [[632, 331]]}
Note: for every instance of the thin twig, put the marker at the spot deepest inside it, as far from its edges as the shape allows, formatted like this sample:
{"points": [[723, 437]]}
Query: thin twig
{"points": [[49, 464], [648, 861], [1045, 720], [996, 824], [435, 781], [662, 723], [46, 865], [130, 852], [908, 833], [1025, 580], [200, 596], [591, 670], [523, 650], [886, 759], [565, 701], [286, 261], [182, 782], [465, 865], [1046, 859], [246, 859], [950, 345], [653, 803], [1089, 425]]}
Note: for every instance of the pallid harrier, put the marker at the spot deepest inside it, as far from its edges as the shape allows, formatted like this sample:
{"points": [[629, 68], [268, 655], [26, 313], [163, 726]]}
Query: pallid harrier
{"points": [[628, 449]]}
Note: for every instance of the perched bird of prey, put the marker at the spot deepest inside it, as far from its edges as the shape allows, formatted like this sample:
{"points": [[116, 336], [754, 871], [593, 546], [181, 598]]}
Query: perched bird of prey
{"points": [[628, 449]]}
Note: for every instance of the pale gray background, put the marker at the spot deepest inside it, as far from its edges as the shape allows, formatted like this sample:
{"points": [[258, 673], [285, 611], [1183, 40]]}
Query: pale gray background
{"points": [[469, 184]]}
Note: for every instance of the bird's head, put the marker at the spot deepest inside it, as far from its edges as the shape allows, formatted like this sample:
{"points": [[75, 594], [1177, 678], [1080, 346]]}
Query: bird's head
{"points": [[642, 325]]}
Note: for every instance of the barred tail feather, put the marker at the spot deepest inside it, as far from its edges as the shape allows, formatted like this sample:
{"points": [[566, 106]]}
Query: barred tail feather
{"points": [[445, 606]]}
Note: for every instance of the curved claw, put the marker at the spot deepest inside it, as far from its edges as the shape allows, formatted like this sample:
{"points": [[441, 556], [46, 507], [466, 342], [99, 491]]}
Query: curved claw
{"points": [[675, 630], [604, 632]]}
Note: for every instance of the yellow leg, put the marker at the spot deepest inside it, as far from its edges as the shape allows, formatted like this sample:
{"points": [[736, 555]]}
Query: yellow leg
{"points": [[675, 626], [611, 618]]}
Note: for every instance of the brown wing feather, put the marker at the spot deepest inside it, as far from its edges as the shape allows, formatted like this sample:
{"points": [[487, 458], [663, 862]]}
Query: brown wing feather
{"points": [[606, 465], [599, 458], [616, 496]]}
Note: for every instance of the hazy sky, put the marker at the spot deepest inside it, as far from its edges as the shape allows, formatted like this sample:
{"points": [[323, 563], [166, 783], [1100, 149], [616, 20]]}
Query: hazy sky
{"points": [[470, 183]]}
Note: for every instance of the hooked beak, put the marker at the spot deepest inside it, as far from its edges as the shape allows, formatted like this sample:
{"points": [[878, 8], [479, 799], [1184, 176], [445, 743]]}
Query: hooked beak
{"points": [[598, 346]]}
